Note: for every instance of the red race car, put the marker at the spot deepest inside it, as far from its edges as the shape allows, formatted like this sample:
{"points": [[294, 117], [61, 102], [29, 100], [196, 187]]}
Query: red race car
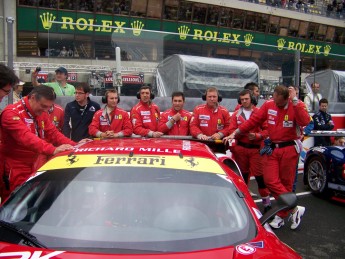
{"points": [[138, 198]]}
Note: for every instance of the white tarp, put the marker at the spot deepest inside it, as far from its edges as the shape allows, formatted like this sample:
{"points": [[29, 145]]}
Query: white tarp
{"points": [[192, 75]]}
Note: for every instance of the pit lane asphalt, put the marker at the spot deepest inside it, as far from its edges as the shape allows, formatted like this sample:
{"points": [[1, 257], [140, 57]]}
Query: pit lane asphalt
{"points": [[322, 230]]}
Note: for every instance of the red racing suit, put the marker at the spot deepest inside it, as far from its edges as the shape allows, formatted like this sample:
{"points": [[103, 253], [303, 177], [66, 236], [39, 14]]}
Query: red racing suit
{"points": [[246, 152], [209, 121], [179, 128], [145, 118], [56, 115], [24, 137], [117, 121], [282, 126]]}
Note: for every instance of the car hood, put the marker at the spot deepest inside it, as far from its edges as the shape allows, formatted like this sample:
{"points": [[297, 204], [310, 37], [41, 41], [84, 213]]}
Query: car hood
{"points": [[270, 248]]}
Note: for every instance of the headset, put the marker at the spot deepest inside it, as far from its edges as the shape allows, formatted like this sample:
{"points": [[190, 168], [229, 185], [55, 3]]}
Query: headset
{"points": [[105, 97], [152, 95], [220, 98], [252, 97]]}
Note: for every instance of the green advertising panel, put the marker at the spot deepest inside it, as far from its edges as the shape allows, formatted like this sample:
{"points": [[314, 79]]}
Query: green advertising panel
{"points": [[140, 29]]}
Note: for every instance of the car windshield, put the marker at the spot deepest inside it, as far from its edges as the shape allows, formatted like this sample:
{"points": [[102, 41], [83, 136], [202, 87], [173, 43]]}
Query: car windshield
{"points": [[131, 209]]}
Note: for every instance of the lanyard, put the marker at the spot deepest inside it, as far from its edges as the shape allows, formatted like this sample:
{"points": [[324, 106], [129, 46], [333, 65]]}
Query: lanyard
{"points": [[61, 89], [33, 119]]}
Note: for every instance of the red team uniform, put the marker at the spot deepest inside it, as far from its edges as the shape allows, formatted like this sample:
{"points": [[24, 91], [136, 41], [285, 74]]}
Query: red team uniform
{"points": [[56, 115], [279, 167], [145, 118], [117, 121], [209, 121], [179, 128], [26, 136]]}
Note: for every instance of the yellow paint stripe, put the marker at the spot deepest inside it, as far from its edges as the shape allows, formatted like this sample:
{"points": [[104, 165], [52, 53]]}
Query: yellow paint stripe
{"points": [[174, 162]]}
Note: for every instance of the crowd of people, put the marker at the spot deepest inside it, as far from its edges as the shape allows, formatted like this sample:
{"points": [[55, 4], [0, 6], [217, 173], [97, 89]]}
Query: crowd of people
{"points": [[265, 142]]}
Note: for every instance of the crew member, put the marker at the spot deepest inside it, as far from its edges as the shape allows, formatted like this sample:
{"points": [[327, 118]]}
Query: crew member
{"points": [[27, 132], [112, 121], [281, 151], [210, 120], [175, 121], [246, 151], [145, 114]]}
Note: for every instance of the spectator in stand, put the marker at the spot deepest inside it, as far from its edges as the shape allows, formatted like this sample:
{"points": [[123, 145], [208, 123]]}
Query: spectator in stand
{"points": [[323, 121], [79, 114], [312, 99], [210, 121], [111, 122], [17, 91], [60, 86], [246, 151], [145, 115], [175, 121], [27, 132], [281, 151]]}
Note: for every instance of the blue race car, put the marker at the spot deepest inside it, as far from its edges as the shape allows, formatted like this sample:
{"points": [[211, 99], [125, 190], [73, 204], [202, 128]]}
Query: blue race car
{"points": [[324, 171]]}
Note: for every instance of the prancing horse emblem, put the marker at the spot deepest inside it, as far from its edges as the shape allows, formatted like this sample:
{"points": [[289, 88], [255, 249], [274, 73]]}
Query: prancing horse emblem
{"points": [[191, 162]]}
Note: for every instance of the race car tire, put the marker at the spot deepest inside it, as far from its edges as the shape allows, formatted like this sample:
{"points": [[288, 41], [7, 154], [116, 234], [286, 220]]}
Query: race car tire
{"points": [[317, 176]]}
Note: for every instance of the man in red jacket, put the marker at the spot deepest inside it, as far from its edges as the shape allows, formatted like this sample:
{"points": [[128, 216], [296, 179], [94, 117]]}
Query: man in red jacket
{"points": [[27, 132], [111, 122], [175, 121], [210, 120], [56, 114], [246, 150], [284, 113], [145, 115]]}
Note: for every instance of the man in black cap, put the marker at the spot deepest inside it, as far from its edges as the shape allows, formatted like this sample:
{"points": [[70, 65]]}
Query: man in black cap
{"points": [[60, 86]]}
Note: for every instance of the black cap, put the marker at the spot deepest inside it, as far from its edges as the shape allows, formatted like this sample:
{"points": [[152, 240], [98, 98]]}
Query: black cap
{"points": [[62, 70]]}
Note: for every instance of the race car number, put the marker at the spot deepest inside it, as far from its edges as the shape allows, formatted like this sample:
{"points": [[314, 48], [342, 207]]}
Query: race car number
{"points": [[30, 255]]}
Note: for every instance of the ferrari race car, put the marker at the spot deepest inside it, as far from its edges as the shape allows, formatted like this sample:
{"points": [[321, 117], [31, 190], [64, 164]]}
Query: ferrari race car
{"points": [[138, 198], [324, 171]]}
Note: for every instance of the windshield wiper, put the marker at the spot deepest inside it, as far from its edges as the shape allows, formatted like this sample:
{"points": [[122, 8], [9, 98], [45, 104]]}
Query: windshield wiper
{"points": [[31, 239]]}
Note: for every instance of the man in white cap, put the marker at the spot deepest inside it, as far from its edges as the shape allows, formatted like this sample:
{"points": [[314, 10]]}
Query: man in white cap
{"points": [[60, 86], [17, 91]]}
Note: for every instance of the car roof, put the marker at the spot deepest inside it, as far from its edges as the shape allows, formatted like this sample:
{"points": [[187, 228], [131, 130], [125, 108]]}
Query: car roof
{"points": [[153, 146]]}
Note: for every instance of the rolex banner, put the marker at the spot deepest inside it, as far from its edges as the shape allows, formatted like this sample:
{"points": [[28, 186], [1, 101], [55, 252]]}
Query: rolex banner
{"points": [[52, 21]]}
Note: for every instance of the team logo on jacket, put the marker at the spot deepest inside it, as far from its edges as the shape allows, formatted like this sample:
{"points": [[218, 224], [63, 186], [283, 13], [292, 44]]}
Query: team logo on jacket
{"points": [[204, 117], [272, 112], [92, 109], [143, 113]]}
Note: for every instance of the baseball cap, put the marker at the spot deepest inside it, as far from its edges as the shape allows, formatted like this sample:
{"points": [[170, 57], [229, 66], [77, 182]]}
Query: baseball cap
{"points": [[21, 82], [61, 70]]}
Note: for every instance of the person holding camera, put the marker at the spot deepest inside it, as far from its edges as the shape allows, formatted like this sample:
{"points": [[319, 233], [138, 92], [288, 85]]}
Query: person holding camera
{"points": [[111, 121], [60, 86]]}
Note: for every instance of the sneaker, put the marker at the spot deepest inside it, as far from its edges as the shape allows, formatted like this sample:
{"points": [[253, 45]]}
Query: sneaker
{"points": [[277, 222], [296, 217]]}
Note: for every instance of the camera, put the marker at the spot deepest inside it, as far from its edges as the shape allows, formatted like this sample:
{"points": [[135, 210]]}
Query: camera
{"points": [[38, 69]]}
